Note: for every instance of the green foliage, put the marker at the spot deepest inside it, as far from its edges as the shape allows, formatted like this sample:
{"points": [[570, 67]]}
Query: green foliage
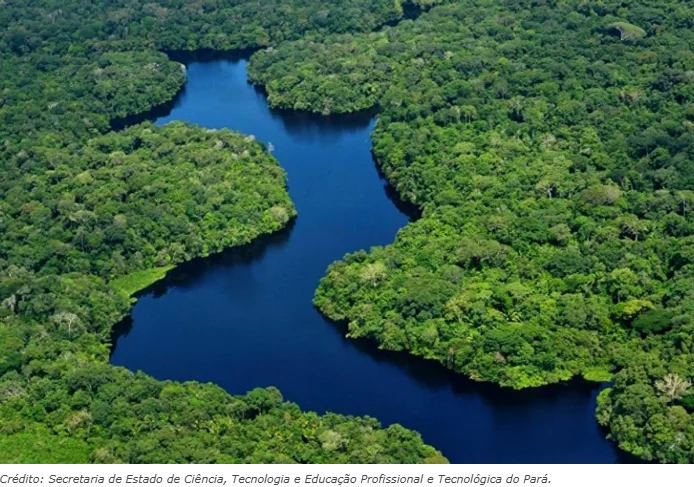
{"points": [[688, 402], [627, 31], [551, 159], [597, 375], [90, 216], [38, 106], [654, 321], [221, 25], [138, 199], [139, 280], [549, 147], [37, 444], [104, 414]]}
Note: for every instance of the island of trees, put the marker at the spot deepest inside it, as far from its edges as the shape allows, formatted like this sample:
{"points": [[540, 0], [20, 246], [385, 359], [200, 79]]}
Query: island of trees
{"points": [[89, 216], [550, 147]]}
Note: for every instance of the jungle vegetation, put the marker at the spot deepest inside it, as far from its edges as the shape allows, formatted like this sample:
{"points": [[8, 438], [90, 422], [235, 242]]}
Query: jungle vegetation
{"points": [[550, 146], [89, 216], [548, 143]]}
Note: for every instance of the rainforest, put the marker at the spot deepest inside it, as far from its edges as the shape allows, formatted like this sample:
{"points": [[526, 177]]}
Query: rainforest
{"points": [[547, 146]]}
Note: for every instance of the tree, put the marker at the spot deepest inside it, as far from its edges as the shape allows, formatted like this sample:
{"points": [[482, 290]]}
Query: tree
{"points": [[468, 113], [69, 320], [627, 31], [82, 218], [374, 273], [686, 200], [672, 387], [632, 226], [602, 194], [18, 39], [624, 283], [10, 303]]}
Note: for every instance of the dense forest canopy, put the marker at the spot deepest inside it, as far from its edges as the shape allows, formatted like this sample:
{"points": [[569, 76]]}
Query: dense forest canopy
{"points": [[90, 216], [141, 198], [111, 51], [550, 145]]}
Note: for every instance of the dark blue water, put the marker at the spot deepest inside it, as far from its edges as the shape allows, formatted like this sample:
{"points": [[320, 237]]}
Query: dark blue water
{"points": [[244, 319]]}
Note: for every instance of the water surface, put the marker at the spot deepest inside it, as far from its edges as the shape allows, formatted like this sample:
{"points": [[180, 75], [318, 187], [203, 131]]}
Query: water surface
{"points": [[244, 319]]}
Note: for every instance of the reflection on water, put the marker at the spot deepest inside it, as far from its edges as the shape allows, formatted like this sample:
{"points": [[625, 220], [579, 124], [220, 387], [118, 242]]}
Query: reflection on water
{"points": [[244, 318]]}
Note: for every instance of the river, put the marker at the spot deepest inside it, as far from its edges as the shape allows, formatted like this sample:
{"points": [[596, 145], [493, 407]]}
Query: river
{"points": [[244, 319]]}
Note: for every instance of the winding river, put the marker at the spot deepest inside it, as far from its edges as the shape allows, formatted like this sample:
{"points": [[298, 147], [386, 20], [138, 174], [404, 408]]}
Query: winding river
{"points": [[244, 319]]}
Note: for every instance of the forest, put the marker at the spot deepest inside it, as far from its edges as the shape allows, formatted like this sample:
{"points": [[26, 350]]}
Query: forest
{"points": [[549, 145], [91, 215]]}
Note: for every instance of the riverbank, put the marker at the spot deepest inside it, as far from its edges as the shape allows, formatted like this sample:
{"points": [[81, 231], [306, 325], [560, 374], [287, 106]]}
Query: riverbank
{"points": [[250, 309]]}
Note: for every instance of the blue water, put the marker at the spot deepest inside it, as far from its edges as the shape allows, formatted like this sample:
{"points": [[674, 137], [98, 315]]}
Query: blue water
{"points": [[244, 319]]}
